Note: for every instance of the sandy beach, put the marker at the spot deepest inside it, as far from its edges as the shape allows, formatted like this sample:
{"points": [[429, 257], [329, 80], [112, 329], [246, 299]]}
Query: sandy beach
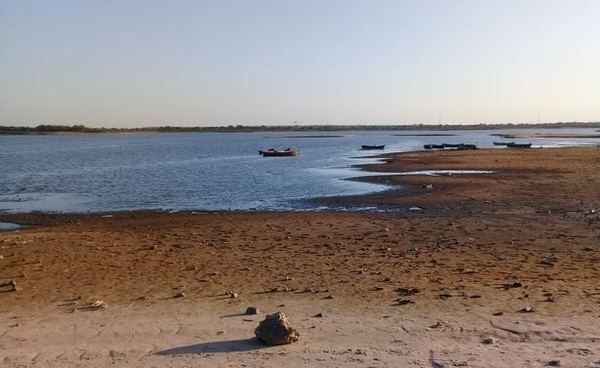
{"points": [[499, 269]]}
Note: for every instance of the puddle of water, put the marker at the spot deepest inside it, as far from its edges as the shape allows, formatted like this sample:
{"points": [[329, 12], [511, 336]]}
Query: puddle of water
{"points": [[4, 226], [446, 172]]}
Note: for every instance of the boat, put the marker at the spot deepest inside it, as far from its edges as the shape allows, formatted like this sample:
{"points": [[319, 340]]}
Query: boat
{"points": [[467, 147], [503, 143], [519, 145], [372, 147], [452, 145], [433, 146], [274, 153]]}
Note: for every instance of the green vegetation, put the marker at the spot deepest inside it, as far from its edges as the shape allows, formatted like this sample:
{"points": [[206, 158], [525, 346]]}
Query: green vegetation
{"points": [[65, 129]]}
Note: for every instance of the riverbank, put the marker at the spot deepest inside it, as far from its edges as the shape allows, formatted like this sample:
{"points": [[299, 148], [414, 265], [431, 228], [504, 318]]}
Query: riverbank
{"points": [[494, 270]]}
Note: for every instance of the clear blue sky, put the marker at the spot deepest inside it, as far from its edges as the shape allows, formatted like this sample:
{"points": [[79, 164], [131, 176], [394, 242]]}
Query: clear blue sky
{"points": [[132, 63]]}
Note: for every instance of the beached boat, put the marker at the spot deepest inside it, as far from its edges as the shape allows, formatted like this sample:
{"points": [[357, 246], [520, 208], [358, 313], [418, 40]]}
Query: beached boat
{"points": [[275, 153], [503, 143], [467, 147], [452, 145], [372, 147], [519, 145], [433, 146]]}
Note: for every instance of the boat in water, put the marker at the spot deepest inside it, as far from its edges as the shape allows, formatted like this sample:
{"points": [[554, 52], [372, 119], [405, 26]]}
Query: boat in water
{"points": [[503, 143], [372, 147], [271, 152]]}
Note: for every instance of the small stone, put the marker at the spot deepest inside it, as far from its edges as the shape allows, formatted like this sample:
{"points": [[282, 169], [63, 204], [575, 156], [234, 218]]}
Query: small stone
{"points": [[488, 341], [251, 310], [554, 363], [98, 304], [527, 310], [318, 315], [512, 285], [180, 294]]}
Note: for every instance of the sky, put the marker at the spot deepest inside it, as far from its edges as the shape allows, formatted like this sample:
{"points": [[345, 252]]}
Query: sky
{"points": [[146, 63]]}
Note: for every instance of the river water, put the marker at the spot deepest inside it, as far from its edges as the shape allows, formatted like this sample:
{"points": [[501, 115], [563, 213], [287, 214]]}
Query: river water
{"points": [[202, 171]]}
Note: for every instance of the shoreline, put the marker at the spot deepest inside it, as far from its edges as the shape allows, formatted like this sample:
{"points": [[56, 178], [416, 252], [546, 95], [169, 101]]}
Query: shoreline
{"points": [[388, 171], [496, 270]]}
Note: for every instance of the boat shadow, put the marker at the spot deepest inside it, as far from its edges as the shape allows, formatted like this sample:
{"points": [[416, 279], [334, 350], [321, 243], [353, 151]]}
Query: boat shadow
{"points": [[227, 346]]}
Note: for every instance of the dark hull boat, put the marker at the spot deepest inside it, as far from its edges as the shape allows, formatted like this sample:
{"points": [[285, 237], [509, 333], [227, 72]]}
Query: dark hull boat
{"points": [[458, 146], [372, 147], [519, 145], [433, 146], [467, 147], [452, 145], [503, 143], [278, 153]]}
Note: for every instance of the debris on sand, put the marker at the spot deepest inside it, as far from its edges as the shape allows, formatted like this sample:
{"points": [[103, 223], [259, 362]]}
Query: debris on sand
{"points": [[512, 285], [12, 284], [527, 310]]}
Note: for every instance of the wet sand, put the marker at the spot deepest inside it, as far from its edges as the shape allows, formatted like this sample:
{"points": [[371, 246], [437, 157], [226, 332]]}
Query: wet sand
{"points": [[494, 270]]}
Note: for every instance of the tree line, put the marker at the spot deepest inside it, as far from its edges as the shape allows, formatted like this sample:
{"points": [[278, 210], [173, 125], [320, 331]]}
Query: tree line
{"points": [[57, 129]]}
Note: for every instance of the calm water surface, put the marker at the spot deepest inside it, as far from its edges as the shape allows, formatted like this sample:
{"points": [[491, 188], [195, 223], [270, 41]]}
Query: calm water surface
{"points": [[197, 171]]}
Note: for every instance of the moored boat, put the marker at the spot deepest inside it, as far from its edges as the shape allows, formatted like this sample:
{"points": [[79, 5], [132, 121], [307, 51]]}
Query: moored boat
{"points": [[274, 153], [372, 147], [519, 145], [452, 145], [503, 143], [467, 147]]}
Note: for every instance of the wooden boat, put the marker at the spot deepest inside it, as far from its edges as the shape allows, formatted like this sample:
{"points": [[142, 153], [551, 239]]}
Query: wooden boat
{"points": [[519, 145], [467, 147], [503, 143], [372, 147], [275, 153], [452, 145], [433, 146]]}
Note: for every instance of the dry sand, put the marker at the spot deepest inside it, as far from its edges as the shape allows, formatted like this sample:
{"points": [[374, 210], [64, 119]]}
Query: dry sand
{"points": [[496, 270]]}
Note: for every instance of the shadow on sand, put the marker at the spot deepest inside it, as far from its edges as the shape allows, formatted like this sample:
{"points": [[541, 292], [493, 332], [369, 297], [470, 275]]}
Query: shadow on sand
{"points": [[216, 347]]}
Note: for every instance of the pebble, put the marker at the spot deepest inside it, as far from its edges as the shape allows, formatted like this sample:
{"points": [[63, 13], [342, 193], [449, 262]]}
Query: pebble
{"points": [[527, 310]]}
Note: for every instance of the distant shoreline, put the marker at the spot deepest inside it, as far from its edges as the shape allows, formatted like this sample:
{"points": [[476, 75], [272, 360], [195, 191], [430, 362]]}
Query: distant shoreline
{"points": [[538, 135], [81, 129]]}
